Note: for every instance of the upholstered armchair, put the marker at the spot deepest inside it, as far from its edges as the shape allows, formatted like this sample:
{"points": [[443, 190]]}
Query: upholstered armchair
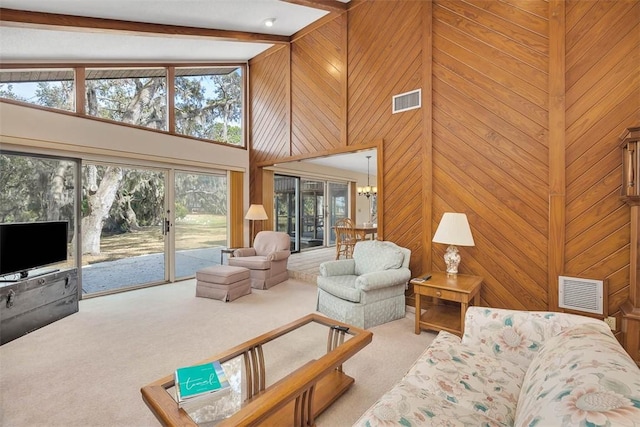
{"points": [[368, 289], [266, 260]]}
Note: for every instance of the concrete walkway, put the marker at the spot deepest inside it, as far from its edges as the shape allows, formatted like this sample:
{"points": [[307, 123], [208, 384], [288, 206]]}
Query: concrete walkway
{"points": [[133, 271]]}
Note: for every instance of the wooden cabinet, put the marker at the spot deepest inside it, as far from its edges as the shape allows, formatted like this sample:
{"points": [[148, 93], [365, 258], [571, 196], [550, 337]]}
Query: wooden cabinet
{"points": [[451, 295], [32, 303]]}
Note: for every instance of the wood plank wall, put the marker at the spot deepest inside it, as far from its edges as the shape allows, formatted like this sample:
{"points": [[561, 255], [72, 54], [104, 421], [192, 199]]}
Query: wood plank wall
{"points": [[602, 100], [491, 136], [318, 112], [490, 126], [269, 115], [385, 59]]}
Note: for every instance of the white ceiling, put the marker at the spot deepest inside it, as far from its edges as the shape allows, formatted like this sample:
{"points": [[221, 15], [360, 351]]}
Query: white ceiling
{"points": [[350, 161], [27, 44]]}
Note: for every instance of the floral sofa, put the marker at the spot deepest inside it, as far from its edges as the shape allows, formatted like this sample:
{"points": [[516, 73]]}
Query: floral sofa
{"points": [[517, 368]]}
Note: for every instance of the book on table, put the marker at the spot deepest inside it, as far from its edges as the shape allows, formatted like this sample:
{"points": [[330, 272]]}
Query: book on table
{"points": [[192, 383]]}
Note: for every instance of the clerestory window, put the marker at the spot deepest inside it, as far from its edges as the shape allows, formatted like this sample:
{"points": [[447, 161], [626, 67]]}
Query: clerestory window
{"points": [[137, 96], [51, 88], [203, 102], [208, 103]]}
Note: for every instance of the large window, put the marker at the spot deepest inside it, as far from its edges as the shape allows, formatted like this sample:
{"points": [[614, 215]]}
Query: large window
{"points": [[45, 88], [207, 101], [133, 96], [40, 188]]}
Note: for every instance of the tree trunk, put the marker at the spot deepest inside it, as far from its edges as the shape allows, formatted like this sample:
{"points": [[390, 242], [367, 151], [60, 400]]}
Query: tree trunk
{"points": [[130, 217], [99, 206], [56, 191]]}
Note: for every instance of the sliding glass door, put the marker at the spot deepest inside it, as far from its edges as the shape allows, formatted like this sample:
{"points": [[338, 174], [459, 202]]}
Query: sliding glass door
{"points": [[312, 208], [140, 225], [200, 212], [286, 195], [304, 207], [338, 207], [124, 227]]}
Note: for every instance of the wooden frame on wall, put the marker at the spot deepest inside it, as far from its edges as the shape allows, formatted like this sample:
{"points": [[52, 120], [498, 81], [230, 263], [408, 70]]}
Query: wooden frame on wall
{"points": [[268, 190]]}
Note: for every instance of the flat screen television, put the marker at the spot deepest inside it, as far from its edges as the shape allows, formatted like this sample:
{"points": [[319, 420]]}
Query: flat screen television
{"points": [[28, 245]]}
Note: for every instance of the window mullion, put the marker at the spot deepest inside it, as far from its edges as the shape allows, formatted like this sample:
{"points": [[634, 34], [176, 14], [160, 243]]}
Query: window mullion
{"points": [[171, 100], [80, 91]]}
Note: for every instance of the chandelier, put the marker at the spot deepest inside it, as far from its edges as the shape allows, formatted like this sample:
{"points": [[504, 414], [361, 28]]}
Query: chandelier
{"points": [[367, 191]]}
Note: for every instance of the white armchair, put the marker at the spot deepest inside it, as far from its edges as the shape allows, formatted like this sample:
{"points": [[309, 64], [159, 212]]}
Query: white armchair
{"points": [[266, 260], [368, 289]]}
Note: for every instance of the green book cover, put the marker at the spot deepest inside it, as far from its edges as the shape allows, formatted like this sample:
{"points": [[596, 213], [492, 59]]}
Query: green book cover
{"points": [[192, 381]]}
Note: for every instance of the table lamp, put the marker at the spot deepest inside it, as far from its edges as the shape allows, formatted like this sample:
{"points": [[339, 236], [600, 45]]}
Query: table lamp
{"points": [[255, 213], [453, 230]]}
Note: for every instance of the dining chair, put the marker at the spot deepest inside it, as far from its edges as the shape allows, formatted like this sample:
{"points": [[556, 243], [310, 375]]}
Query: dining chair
{"points": [[345, 237]]}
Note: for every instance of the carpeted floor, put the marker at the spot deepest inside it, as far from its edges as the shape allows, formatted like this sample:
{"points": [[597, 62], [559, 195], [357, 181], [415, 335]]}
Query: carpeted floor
{"points": [[87, 369]]}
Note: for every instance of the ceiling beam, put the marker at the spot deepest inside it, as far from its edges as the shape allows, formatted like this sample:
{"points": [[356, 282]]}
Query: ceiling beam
{"points": [[23, 18], [329, 5]]}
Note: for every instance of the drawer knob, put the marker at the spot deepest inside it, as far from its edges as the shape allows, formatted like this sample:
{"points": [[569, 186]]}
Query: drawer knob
{"points": [[438, 293]]}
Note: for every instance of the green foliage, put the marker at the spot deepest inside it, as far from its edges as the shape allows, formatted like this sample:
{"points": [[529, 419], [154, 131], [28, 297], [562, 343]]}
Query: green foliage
{"points": [[210, 107], [181, 211], [202, 193], [137, 101], [25, 190], [139, 200], [56, 95], [6, 91]]}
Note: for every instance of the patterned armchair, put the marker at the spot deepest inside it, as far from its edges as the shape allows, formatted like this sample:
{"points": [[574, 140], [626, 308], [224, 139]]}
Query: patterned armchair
{"points": [[368, 289], [266, 260]]}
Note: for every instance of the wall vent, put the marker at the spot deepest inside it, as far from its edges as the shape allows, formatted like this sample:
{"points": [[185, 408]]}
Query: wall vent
{"points": [[406, 101], [581, 294]]}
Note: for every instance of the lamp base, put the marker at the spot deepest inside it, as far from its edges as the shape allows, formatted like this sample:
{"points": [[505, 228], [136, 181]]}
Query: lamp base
{"points": [[452, 259]]}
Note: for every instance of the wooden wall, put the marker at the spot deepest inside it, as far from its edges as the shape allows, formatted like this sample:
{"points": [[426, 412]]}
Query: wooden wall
{"points": [[602, 99], [523, 104], [269, 113], [317, 89]]}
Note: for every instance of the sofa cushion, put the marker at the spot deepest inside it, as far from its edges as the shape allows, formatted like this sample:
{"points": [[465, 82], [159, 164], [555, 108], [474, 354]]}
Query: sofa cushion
{"points": [[450, 384], [512, 335], [257, 262], [582, 376], [407, 405], [267, 242], [469, 378], [343, 287], [373, 255]]}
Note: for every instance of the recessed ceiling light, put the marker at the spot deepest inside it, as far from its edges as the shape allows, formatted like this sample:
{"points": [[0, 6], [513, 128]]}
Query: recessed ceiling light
{"points": [[269, 22]]}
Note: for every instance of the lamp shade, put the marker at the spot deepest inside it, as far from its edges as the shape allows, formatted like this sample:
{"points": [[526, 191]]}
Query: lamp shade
{"points": [[256, 212], [454, 230]]}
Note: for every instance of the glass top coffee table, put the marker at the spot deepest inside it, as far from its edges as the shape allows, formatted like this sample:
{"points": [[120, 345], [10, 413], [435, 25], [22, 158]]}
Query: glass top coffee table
{"points": [[285, 377]]}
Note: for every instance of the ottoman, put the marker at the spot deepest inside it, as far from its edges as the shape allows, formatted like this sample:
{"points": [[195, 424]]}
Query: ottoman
{"points": [[223, 282]]}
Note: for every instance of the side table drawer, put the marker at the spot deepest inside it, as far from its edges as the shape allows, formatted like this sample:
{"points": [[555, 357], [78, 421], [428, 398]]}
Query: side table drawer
{"points": [[442, 294]]}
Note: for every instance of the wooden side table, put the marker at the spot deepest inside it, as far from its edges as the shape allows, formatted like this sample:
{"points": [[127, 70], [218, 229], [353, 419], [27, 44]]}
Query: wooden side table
{"points": [[459, 288]]}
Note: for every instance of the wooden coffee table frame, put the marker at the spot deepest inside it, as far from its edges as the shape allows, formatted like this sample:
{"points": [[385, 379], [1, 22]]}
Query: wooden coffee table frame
{"points": [[294, 400]]}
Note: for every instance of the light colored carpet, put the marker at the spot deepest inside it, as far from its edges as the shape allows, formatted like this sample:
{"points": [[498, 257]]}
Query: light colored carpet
{"points": [[87, 369]]}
